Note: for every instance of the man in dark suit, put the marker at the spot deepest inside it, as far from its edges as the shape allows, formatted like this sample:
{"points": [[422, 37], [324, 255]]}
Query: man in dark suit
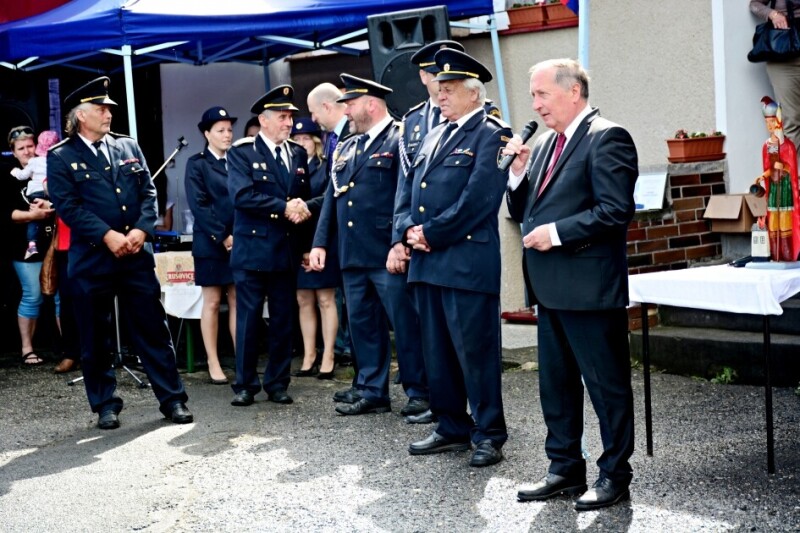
{"points": [[358, 206], [268, 181], [573, 194], [447, 212], [101, 188]]}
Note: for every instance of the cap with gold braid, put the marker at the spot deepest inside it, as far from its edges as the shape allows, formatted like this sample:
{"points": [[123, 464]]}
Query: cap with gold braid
{"points": [[424, 57], [355, 87], [457, 65], [94, 92], [278, 99]]}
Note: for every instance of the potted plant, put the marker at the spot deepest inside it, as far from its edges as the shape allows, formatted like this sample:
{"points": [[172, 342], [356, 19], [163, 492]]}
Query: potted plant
{"points": [[557, 13], [687, 147], [526, 14]]}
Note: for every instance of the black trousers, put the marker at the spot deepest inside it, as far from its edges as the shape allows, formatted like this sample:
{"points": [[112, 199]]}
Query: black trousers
{"points": [[592, 345], [145, 320]]}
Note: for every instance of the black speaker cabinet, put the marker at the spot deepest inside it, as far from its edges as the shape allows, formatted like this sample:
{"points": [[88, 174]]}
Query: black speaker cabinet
{"points": [[393, 39]]}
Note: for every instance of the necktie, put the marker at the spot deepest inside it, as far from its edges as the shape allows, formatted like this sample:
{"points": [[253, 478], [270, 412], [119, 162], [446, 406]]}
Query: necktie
{"points": [[436, 117], [281, 164], [333, 139], [451, 126], [224, 161], [561, 140], [361, 146], [101, 156]]}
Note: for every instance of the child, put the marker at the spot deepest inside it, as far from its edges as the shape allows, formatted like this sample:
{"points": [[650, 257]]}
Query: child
{"points": [[36, 172]]}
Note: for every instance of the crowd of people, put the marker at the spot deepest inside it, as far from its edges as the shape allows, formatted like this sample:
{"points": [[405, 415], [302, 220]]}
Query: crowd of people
{"points": [[350, 218]]}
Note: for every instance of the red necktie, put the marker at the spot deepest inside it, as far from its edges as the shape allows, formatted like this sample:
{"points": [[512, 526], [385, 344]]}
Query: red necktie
{"points": [[561, 140]]}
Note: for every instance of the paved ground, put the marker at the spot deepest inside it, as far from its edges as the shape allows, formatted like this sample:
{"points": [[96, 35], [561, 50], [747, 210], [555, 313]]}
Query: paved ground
{"points": [[303, 468]]}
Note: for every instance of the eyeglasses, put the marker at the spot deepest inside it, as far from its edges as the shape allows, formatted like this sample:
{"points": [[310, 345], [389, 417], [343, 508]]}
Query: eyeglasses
{"points": [[18, 132]]}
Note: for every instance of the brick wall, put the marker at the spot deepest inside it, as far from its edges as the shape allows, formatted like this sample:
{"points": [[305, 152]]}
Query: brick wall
{"points": [[678, 236]]}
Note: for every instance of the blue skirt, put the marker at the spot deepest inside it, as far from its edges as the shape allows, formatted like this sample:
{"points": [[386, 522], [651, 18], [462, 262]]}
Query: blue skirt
{"points": [[329, 278], [212, 272]]}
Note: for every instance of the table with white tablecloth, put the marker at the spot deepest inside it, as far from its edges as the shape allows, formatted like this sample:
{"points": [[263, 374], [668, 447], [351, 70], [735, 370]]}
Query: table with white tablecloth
{"points": [[724, 288]]}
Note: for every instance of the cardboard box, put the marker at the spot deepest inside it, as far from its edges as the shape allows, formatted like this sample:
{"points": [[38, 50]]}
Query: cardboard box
{"points": [[734, 213], [175, 268]]}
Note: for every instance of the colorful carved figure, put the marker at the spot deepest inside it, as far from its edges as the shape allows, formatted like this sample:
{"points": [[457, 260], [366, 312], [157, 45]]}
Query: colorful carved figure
{"points": [[779, 180]]}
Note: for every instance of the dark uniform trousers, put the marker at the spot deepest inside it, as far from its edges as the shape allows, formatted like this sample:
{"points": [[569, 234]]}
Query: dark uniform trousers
{"points": [[452, 343], [251, 288], [377, 296], [143, 318]]}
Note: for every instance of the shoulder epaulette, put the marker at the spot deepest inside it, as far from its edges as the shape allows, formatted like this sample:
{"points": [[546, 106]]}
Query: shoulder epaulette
{"points": [[415, 108], [119, 135], [497, 120], [63, 141], [244, 140]]}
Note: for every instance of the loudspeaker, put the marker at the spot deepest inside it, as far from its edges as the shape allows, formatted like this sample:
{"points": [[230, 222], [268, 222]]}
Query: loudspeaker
{"points": [[393, 39]]}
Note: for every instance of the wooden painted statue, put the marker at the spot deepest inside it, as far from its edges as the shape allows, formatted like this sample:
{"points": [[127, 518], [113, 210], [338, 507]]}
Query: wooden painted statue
{"points": [[779, 180]]}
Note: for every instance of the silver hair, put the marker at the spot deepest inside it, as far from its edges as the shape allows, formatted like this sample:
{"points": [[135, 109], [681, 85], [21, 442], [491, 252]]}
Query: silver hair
{"points": [[568, 73], [474, 84], [71, 126]]}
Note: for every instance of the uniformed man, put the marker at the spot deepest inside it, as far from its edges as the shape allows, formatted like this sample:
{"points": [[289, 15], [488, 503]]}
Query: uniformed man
{"points": [[426, 115], [447, 213], [268, 181], [102, 189], [358, 206]]}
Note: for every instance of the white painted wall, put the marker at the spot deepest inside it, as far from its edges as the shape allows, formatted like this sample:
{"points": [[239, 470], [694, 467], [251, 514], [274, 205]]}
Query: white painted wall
{"points": [[740, 85]]}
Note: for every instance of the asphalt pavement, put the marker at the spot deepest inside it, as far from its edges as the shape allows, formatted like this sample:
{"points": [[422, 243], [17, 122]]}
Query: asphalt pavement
{"points": [[302, 467]]}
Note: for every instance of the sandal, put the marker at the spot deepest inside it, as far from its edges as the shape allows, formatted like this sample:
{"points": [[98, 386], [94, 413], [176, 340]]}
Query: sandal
{"points": [[31, 356]]}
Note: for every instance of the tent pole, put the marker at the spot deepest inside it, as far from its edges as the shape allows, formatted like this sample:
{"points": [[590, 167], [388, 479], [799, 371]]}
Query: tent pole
{"points": [[498, 68], [126, 61]]}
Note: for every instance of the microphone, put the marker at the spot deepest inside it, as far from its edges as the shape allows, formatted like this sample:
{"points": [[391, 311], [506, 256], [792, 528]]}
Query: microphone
{"points": [[526, 134]]}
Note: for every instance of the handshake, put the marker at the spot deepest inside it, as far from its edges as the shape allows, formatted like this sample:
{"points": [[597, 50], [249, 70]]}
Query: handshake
{"points": [[297, 211]]}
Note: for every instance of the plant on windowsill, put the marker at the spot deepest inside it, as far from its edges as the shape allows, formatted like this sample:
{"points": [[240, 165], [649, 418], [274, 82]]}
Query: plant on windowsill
{"points": [[687, 147], [527, 14], [557, 14]]}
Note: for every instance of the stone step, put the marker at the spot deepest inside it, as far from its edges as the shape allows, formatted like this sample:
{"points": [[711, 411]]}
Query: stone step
{"points": [[704, 352], [788, 322]]}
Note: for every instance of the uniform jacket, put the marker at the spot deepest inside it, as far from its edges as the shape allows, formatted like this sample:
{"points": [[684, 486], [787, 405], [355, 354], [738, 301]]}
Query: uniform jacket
{"points": [[92, 201], [207, 194], [590, 199], [264, 239], [456, 195], [415, 128], [363, 213]]}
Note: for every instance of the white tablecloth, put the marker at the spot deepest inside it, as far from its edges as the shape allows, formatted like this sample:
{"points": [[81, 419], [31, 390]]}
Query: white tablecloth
{"points": [[186, 301], [718, 288]]}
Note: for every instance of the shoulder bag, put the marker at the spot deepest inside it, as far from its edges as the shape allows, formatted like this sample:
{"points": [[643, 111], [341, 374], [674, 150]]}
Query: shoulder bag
{"points": [[770, 44]]}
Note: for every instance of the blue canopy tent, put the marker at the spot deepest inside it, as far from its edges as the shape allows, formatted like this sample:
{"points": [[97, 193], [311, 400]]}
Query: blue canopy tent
{"points": [[85, 34]]}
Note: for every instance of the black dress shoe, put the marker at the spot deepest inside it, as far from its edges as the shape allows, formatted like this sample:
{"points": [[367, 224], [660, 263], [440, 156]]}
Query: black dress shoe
{"points": [[325, 375], [351, 395], [603, 493], [485, 454], [108, 420], [363, 407], [280, 396], [243, 398], [305, 373], [180, 414], [437, 444], [415, 406], [423, 418], [551, 485]]}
